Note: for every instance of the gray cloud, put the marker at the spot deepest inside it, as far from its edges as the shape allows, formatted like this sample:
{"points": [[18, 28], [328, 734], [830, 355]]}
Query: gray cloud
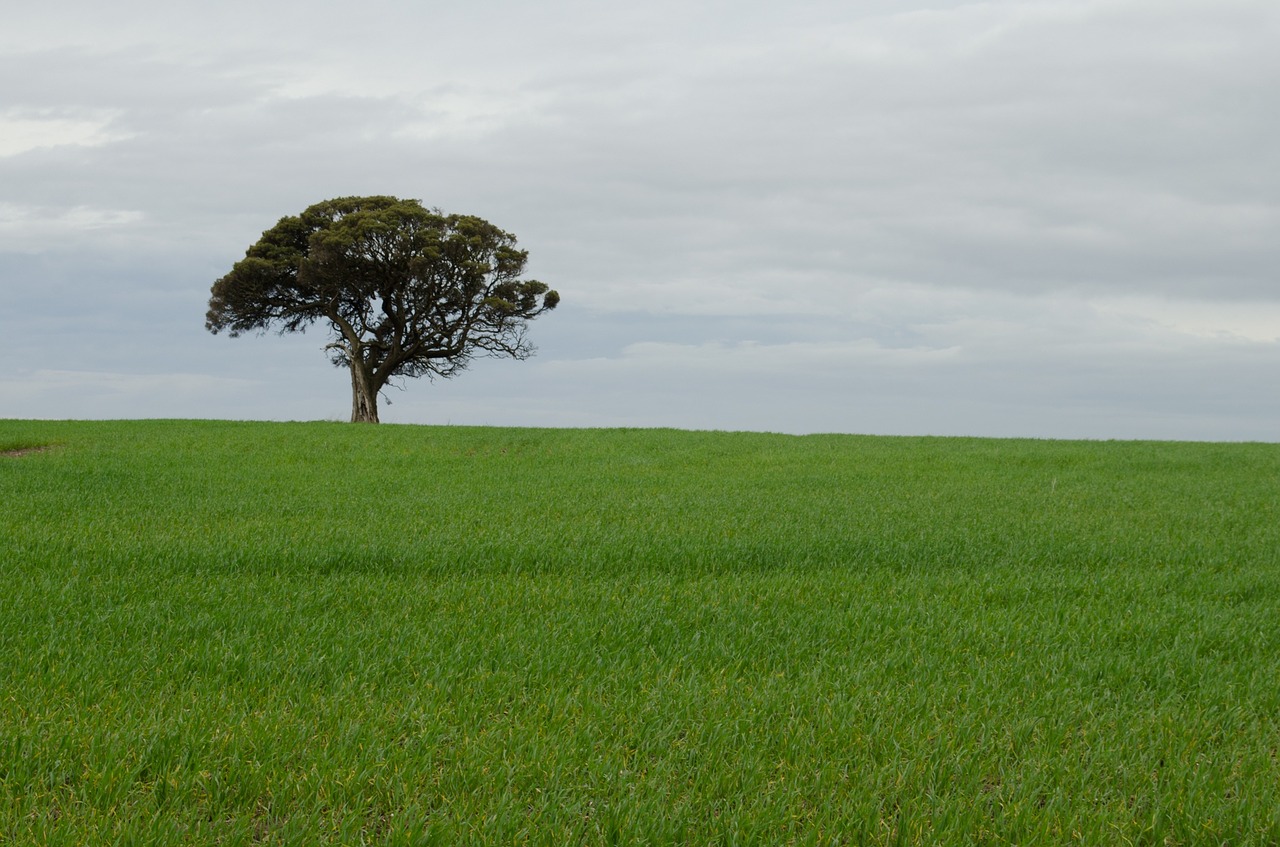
{"points": [[913, 201]]}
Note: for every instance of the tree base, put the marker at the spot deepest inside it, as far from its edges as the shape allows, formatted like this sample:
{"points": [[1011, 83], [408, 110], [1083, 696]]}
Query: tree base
{"points": [[364, 396]]}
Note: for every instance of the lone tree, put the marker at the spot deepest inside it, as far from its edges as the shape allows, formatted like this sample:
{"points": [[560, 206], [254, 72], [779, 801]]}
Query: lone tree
{"points": [[407, 291]]}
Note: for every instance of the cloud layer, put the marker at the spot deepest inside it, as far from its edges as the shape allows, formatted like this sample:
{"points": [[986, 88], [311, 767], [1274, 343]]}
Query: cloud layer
{"points": [[1039, 218]]}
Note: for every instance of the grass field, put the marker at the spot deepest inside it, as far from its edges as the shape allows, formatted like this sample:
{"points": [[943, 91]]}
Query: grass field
{"points": [[237, 633]]}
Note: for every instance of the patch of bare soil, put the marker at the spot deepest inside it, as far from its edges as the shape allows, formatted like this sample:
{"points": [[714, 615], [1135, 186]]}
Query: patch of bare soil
{"points": [[24, 451]]}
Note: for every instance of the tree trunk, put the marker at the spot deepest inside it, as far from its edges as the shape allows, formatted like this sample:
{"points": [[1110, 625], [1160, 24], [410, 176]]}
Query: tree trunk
{"points": [[364, 395]]}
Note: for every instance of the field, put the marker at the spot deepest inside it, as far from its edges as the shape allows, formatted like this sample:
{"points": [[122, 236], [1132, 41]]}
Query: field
{"points": [[238, 633]]}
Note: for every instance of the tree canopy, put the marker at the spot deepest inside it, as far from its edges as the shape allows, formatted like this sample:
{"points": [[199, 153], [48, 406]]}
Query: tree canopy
{"points": [[407, 291]]}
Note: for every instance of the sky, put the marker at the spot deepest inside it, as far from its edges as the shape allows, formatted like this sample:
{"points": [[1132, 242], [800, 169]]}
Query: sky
{"points": [[1015, 218]]}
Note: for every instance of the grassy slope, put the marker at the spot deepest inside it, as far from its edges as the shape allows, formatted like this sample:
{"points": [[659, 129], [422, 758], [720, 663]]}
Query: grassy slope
{"points": [[291, 633]]}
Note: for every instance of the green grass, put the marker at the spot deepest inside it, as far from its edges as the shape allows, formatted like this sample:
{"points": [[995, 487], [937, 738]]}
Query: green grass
{"points": [[321, 633]]}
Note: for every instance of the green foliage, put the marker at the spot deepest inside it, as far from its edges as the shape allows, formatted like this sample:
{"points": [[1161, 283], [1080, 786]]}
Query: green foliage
{"points": [[406, 291], [230, 633]]}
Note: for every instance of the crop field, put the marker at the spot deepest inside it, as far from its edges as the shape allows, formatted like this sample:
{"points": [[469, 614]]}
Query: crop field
{"points": [[246, 633]]}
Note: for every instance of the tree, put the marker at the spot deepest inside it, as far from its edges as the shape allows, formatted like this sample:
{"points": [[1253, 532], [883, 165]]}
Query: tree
{"points": [[407, 291]]}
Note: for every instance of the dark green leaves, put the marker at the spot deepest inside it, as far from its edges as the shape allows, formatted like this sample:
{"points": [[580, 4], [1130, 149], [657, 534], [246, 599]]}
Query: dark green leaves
{"points": [[406, 290]]}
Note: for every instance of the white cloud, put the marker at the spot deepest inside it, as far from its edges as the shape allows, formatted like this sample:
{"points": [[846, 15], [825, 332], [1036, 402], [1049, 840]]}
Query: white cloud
{"points": [[1257, 321], [26, 229], [54, 393], [24, 130], [720, 359]]}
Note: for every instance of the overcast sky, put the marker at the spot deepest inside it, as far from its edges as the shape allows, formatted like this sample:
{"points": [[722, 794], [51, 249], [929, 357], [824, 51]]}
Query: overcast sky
{"points": [[1048, 218]]}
